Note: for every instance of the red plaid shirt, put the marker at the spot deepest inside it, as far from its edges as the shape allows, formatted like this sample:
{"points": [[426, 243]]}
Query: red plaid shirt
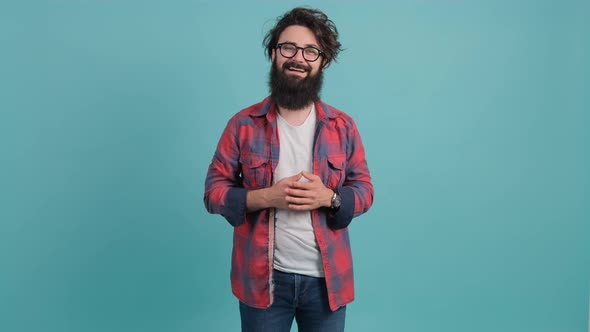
{"points": [[245, 159]]}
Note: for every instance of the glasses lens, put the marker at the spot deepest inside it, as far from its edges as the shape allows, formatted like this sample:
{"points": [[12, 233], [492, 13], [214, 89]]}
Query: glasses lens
{"points": [[311, 53], [288, 50]]}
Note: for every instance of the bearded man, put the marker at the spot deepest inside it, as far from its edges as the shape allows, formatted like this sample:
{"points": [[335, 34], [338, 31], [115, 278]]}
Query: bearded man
{"points": [[289, 174]]}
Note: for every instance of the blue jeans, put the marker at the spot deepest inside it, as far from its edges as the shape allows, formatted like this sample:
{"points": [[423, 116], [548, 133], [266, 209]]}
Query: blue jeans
{"points": [[295, 296]]}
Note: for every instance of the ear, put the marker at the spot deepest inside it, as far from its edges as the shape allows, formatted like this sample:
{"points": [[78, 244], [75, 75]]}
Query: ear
{"points": [[272, 55]]}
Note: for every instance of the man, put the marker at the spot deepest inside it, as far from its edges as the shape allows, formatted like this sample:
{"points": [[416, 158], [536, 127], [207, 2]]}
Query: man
{"points": [[289, 174]]}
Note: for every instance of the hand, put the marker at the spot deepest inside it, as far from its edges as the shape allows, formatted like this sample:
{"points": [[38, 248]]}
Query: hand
{"points": [[305, 196], [271, 197], [277, 194]]}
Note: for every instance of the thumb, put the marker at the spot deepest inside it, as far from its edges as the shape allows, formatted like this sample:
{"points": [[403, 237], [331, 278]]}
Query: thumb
{"points": [[308, 175], [296, 177]]}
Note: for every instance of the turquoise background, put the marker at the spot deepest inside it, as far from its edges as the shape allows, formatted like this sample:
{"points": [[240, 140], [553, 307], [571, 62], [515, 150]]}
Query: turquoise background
{"points": [[474, 114]]}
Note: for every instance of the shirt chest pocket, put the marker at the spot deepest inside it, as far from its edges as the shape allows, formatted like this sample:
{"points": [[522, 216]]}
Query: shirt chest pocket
{"points": [[254, 171], [336, 171]]}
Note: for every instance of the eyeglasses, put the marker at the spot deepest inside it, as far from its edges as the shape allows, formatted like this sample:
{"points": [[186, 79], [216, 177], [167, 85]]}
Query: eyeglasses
{"points": [[289, 50]]}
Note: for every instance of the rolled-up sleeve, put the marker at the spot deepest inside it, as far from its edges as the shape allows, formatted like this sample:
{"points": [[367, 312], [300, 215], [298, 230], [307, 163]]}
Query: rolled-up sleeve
{"points": [[224, 193], [357, 190]]}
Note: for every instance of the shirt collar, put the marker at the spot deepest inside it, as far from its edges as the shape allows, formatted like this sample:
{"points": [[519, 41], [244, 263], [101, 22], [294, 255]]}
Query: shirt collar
{"points": [[268, 108]]}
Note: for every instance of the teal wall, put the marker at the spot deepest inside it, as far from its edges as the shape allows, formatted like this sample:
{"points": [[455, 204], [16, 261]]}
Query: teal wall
{"points": [[476, 121]]}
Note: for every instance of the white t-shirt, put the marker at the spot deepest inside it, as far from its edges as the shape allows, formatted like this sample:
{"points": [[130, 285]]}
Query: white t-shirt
{"points": [[296, 249]]}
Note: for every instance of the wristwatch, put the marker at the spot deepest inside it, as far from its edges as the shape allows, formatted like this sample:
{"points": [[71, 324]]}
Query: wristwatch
{"points": [[336, 200]]}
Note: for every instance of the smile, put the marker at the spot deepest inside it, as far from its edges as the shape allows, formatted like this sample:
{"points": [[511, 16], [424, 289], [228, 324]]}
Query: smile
{"points": [[300, 70]]}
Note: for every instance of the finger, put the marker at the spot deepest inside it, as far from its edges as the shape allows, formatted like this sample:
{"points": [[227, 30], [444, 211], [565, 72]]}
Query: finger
{"points": [[295, 177], [301, 185], [298, 200], [310, 176], [297, 192]]}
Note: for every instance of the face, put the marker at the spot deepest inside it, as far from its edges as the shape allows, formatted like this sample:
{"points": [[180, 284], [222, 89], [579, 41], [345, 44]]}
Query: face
{"points": [[297, 67]]}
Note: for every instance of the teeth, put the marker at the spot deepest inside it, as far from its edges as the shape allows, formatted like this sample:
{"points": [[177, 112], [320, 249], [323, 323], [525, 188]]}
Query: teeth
{"points": [[297, 69]]}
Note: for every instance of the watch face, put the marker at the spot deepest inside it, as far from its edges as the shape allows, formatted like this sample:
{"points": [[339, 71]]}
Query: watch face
{"points": [[336, 201]]}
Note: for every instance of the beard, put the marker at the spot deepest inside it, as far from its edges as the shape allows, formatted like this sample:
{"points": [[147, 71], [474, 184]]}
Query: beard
{"points": [[294, 93]]}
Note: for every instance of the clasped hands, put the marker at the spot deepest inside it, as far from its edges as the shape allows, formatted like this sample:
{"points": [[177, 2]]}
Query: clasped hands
{"points": [[295, 193]]}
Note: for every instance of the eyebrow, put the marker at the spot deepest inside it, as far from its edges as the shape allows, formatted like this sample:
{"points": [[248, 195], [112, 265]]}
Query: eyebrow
{"points": [[294, 43]]}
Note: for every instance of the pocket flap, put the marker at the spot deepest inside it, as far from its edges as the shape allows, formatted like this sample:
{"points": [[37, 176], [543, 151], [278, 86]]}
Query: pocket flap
{"points": [[252, 160], [337, 161]]}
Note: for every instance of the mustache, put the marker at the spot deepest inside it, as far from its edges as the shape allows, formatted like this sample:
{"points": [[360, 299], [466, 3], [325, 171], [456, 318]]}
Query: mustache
{"points": [[297, 65]]}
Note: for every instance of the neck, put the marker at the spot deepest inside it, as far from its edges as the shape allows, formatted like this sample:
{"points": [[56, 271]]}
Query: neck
{"points": [[295, 117]]}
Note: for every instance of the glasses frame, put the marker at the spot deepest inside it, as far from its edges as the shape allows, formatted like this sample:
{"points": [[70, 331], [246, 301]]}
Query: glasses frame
{"points": [[297, 48]]}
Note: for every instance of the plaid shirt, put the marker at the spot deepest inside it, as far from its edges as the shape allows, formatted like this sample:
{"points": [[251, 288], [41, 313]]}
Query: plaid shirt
{"points": [[245, 159]]}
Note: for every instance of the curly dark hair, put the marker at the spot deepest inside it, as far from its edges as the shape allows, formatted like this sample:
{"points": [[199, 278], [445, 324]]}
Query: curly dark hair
{"points": [[314, 19]]}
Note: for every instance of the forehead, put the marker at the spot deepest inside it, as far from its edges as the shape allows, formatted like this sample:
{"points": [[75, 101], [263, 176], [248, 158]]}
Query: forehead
{"points": [[299, 35]]}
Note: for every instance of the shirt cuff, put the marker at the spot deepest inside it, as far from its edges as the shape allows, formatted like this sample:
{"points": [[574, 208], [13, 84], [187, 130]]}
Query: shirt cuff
{"points": [[343, 217], [234, 209]]}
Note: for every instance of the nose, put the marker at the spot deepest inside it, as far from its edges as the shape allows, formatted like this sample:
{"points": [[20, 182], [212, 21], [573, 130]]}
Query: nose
{"points": [[299, 55]]}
